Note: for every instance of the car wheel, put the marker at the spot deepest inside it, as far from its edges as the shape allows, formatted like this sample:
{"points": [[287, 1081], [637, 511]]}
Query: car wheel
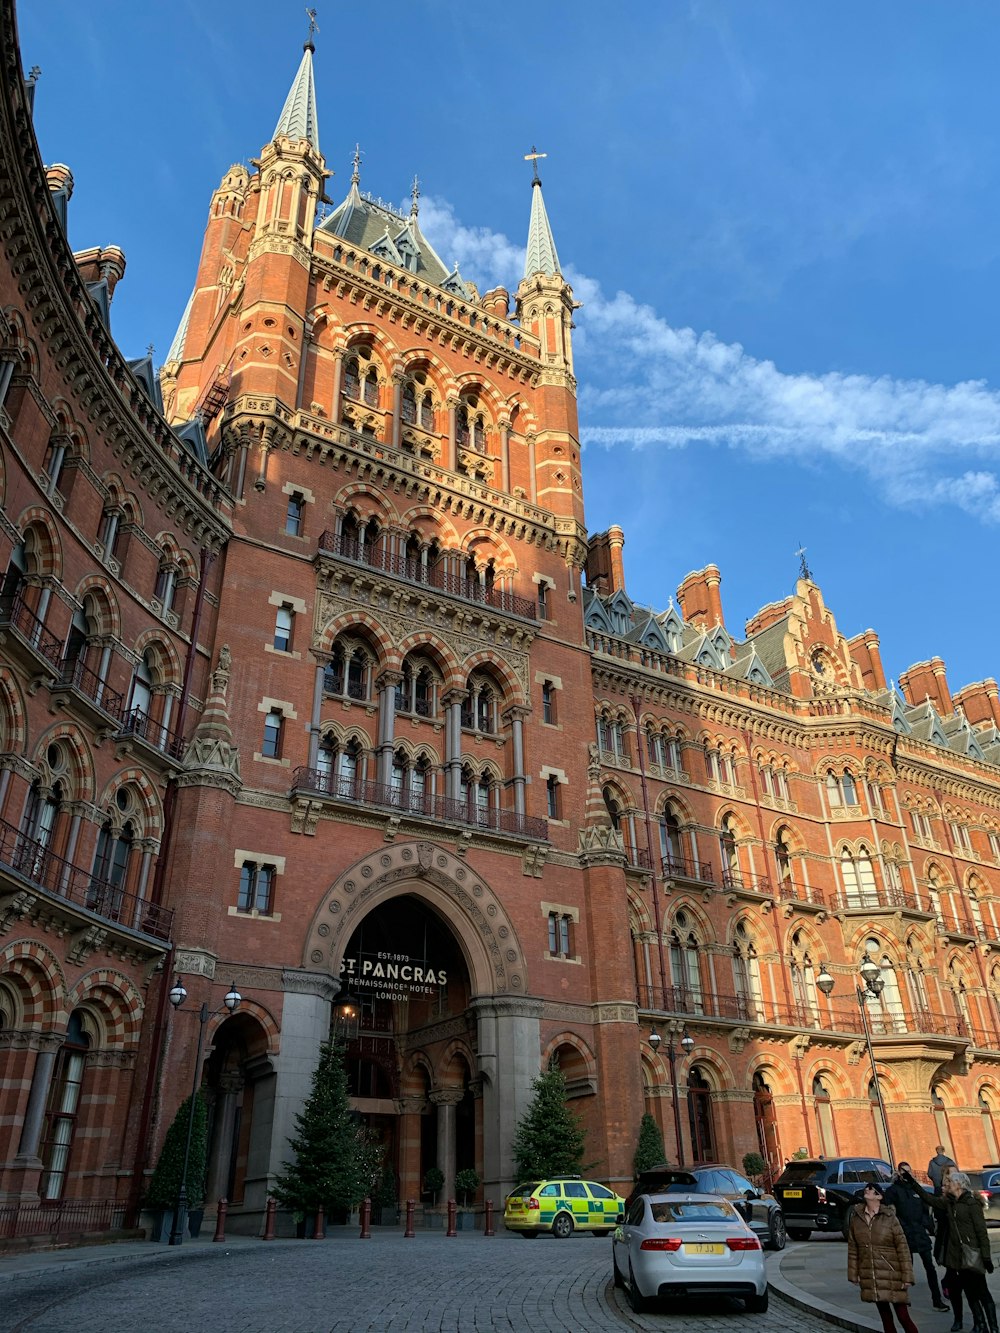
{"points": [[756, 1304], [562, 1227], [636, 1299], [619, 1280], [776, 1235], [799, 1233]]}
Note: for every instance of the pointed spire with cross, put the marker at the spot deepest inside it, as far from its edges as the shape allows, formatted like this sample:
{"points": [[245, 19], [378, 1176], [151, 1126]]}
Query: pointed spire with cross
{"points": [[356, 173], [414, 197], [533, 158], [310, 45]]}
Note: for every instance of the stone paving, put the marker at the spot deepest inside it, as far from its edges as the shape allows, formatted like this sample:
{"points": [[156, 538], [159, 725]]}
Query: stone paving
{"points": [[431, 1284]]}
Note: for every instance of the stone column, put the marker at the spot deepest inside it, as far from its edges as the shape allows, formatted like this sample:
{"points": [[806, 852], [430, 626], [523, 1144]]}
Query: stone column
{"points": [[516, 716], [338, 383], [509, 1048], [217, 1187], [451, 460], [317, 711], [410, 1111], [34, 1116], [72, 836], [531, 469], [387, 683], [504, 454], [453, 743], [446, 1099], [397, 407]]}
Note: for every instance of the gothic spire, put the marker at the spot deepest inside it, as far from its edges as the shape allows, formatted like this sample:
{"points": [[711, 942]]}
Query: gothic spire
{"points": [[298, 118], [541, 254]]}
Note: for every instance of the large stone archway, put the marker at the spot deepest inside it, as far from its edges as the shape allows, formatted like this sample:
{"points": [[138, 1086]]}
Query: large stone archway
{"points": [[506, 1019], [474, 913]]}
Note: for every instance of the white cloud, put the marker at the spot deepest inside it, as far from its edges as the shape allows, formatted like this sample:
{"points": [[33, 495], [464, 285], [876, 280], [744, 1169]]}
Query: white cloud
{"points": [[647, 384]]}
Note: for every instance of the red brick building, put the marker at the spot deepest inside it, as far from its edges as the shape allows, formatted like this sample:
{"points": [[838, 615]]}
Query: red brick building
{"points": [[314, 680]]}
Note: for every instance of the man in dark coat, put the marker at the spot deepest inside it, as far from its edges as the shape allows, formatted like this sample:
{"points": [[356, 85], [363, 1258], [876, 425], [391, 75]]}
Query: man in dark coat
{"points": [[915, 1219], [936, 1166]]}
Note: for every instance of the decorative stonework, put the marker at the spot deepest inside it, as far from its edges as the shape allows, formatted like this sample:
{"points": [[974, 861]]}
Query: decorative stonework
{"points": [[195, 962], [429, 871]]}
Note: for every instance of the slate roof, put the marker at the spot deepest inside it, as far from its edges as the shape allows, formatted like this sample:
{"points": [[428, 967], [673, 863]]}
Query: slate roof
{"points": [[540, 256], [298, 119]]}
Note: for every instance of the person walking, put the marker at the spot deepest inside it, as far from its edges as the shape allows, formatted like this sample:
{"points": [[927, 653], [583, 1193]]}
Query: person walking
{"points": [[952, 1284], [915, 1219], [967, 1248], [878, 1259], [936, 1166]]}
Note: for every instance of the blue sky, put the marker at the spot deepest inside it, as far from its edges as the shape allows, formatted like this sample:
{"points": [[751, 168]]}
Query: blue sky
{"points": [[781, 219]]}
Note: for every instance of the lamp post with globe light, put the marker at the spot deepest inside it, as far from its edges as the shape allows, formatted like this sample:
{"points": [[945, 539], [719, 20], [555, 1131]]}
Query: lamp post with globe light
{"points": [[687, 1045], [874, 984], [177, 997]]}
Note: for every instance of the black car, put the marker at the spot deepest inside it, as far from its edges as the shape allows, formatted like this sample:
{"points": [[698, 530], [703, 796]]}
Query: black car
{"points": [[817, 1193], [761, 1211]]}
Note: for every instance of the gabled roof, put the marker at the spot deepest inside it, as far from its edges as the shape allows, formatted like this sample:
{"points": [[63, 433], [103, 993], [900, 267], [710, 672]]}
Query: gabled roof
{"points": [[142, 368], [925, 724], [770, 647], [748, 666], [298, 119], [367, 223]]}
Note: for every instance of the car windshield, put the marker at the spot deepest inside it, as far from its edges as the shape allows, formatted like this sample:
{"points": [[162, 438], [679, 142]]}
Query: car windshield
{"points": [[523, 1191], [814, 1172], [689, 1211]]}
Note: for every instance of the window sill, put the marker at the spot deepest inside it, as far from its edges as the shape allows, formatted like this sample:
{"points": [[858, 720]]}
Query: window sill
{"points": [[277, 763], [561, 958], [255, 915], [283, 652]]}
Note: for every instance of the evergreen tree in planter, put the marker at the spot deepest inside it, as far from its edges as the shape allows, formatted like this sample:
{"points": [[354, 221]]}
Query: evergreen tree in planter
{"points": [[165, 1184], [433, 1180], [650, 1150], [334, 1163], [466, 1184], [548, 1140]]}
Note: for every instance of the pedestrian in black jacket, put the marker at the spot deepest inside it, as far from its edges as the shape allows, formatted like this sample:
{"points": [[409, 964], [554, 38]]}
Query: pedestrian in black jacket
{"points": [[915, 1219]]}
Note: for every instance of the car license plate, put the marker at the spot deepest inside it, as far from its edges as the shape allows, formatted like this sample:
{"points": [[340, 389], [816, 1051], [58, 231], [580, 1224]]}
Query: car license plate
{"points": [[699, 1248], [793, 1194]]}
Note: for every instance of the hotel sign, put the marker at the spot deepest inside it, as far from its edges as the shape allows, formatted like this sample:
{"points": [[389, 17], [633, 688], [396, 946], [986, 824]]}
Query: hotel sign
{"points": [[391, 976]]}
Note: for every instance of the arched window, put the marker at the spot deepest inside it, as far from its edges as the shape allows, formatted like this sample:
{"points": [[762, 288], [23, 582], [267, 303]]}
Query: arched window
{"points": [[700, 1120], [274, 725], [728, 850], [858, 878], [806, 1012], [986, 1102], [766, 1123], [684, 970], [885, 1009], [824, 1117], [111, 864], [671, 846], [371, 388], [348, 673], [408, 404], [941, 1121], [849, 788], [832, 789], [63, 1105], [746, 974], [352, 378], [139, 718], [783, 856], [611, 734], [339, 767]]}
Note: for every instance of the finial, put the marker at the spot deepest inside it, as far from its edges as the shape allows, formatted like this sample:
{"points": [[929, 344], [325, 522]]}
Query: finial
{"points": [[356, 173], [804, 571], [414, 196], [533, 157], [309, 45], [34, 74], [149, 350]]}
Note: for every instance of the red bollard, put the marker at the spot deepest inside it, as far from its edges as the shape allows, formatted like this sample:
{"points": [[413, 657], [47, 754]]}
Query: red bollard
{"points": [[220, 1220], [488, 1228], [269, 1212], [452, 1218], [409, 1233], [366, 1220], [319, 1231]]}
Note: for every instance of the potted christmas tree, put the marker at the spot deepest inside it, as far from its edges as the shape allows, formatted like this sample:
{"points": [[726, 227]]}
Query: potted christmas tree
{"points": [[165, 1185], [466, 1184], [649, 1151], [334, 1163], [549, 1140]]}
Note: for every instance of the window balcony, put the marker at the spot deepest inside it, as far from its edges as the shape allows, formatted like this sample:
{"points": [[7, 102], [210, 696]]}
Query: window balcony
{"points": [[36, 867], [140, 726], [687, 868], [799, 895], [874, 901], [419, 805], [39, 645], [694, 1003], [436, 576], [638, 857], [957, 926], [741, 884]]}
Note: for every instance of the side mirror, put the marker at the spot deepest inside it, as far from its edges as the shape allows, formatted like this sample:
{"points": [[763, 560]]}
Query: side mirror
{"points": [[751, 1194]]}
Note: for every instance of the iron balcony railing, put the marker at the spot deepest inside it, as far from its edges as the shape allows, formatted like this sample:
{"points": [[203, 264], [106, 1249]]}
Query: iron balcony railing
{"points": [[422, 804], [887, 899], [375, 555], [76, 675], [686, 867], [740, 880], [15, 612], [34, 862], [694, 1003], [792, 890], [137, 722], [59, 1217]]}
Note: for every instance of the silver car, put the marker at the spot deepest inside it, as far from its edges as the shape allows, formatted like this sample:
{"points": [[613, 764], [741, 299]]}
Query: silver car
{"points": [[687, 1245]]}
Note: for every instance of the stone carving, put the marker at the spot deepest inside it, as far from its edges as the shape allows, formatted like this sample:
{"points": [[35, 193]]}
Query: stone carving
{"points": [[85, 943], [220, 676], [16, 909]]}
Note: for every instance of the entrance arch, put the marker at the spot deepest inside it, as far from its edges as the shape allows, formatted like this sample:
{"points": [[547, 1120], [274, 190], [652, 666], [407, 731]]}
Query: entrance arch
{"points": [[480, 1090]]}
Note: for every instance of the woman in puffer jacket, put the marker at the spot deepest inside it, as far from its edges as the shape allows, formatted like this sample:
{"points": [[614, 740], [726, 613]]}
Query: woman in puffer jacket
{"points": [[878, 1259]]}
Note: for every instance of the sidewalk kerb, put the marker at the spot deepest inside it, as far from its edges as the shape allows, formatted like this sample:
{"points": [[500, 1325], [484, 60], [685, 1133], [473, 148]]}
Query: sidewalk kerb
{"points": [[791, 1294]]}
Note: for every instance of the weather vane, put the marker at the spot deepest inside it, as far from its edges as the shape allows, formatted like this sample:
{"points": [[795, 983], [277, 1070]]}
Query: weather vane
{"points": [[804, 571], [533, 157], [313, 25]]}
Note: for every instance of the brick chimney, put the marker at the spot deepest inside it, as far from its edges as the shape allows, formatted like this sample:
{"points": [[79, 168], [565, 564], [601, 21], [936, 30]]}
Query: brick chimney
{"points": [[605, 569], [864, 649], [497, 302], [767, 616], [980, 702], [927, 680], [699, 598]]}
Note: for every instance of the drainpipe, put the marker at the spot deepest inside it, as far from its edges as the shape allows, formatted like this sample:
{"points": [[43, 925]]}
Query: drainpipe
{"points": [[635, 701]]}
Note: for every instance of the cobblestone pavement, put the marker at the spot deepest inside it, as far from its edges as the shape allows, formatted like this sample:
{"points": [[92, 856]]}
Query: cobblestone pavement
{"points": [[344, 1285]]}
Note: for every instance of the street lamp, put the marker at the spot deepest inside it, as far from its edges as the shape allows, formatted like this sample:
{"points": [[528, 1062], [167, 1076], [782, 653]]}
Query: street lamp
{"points": [[177, 997], [687, 1045], [874, 984], [345, 1018]]}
